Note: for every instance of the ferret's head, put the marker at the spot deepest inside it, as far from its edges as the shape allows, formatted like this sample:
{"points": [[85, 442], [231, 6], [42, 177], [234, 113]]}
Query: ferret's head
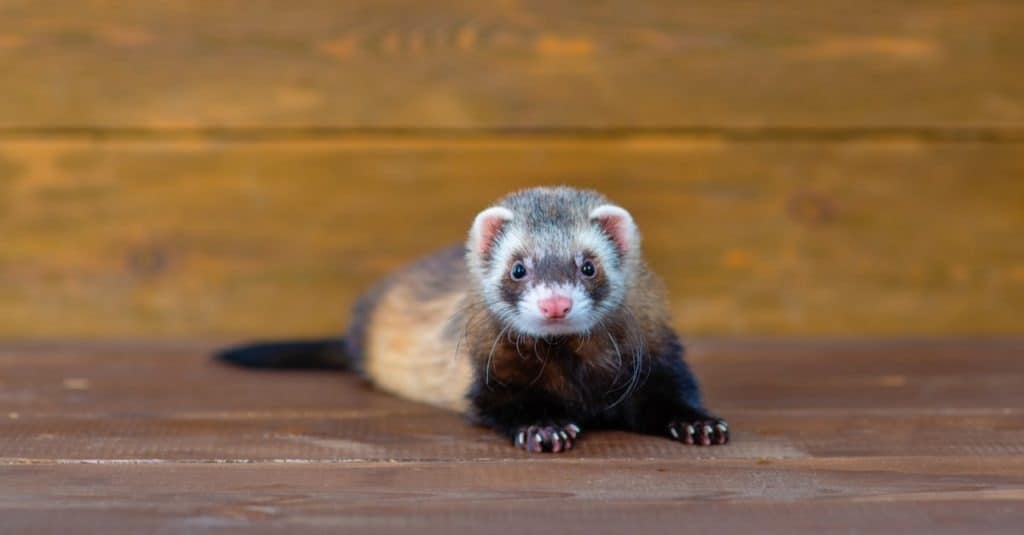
{"points": [[553, 261]]}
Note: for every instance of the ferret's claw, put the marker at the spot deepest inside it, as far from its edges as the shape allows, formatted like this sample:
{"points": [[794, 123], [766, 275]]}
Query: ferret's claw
{"points": [[547, 437], [699, 432]]}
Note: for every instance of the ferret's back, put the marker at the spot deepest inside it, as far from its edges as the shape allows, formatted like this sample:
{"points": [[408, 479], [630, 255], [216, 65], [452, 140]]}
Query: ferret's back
{"points": [[406, 331]]}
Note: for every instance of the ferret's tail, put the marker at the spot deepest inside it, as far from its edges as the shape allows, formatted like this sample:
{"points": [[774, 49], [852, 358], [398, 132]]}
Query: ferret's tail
{"points": [[328, 354]]}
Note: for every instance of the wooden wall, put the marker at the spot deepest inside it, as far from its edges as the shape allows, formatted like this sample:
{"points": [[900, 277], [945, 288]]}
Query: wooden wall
{"points": [[229, 168]]}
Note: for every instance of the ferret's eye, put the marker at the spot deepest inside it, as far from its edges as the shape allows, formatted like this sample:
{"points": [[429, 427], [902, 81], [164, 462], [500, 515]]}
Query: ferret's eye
{"points": [[588, 270], [518, 271]]}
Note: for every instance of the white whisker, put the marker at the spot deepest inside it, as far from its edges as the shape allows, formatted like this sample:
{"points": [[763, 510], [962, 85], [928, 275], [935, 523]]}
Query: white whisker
{"points": [[490, 359]]}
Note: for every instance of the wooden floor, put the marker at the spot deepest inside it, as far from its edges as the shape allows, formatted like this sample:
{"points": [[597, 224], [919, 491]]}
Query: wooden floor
{"points": [[901, 436]]}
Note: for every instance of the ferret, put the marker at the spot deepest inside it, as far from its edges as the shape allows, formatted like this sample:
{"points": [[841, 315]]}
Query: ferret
{"points": [[545, 322]]}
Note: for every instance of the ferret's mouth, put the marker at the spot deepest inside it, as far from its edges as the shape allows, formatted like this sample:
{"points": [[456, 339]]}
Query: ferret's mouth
{"points": [[529, 321], [551, 327]]}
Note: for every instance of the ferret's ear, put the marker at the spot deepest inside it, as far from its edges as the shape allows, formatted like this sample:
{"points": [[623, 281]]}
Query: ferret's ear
{"points": [[617, 224], [486, 227]]}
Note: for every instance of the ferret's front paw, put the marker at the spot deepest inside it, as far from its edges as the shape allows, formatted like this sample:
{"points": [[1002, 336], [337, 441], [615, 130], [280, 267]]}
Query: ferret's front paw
{"points": [[550, 437], [699, 432]]}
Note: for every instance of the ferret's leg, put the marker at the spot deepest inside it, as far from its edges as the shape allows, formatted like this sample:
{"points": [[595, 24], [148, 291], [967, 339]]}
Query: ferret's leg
{"points": [[668, 404], [532, 421]]}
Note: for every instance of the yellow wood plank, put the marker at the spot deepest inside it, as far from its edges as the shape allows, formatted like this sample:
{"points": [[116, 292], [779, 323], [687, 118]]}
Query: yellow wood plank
{"points": [[172, 238], [535, 64]]}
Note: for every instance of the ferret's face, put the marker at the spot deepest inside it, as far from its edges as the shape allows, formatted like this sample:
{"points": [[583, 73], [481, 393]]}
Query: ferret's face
{"points": [[545, 282], [553, 294]]}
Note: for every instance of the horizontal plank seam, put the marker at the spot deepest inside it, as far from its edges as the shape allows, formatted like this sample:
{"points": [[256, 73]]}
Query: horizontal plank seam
{"points": [[841, 463], [423, 410], [978, 134], [190, 344], [225, 416]]}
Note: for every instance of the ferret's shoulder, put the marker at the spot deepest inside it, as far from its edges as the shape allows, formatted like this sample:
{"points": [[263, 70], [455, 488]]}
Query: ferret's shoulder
{"points": [[647, 307], [442, 272], [439, 277], [428, 277]]}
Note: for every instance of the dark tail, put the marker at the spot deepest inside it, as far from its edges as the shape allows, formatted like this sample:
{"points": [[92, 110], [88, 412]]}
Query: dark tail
{"points": [[328, 354]]}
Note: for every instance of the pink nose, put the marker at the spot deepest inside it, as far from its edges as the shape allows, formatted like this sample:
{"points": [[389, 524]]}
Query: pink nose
{"points": [[555, 307]]}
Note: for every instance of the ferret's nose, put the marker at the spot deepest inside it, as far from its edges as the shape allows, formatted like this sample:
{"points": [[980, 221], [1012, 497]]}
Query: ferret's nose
{"points": [[555, 307]]}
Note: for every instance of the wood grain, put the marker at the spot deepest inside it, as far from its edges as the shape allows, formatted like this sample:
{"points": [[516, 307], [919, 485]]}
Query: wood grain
{"points": [[150, 436], [533, 64], [191, 237], [272, 513]]}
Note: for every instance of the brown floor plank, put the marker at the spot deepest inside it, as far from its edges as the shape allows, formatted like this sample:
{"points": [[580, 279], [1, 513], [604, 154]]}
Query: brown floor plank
{"points": [[461, 484], [101, 379], [248, 517], [100, 401], [192, 238], [440, 437], [406, 63], [512, 497]]}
